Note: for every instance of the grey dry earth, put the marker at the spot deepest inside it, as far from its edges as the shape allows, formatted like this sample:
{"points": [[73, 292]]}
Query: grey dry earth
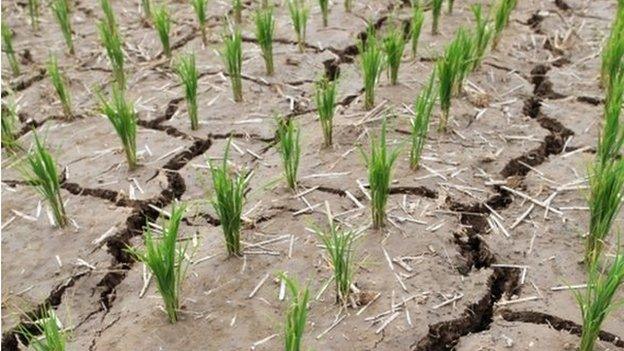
{"points": [[476, 261]]}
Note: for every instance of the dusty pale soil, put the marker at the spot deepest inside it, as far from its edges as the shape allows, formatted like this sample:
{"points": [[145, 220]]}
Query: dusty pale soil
{"points": [[529, 119]]}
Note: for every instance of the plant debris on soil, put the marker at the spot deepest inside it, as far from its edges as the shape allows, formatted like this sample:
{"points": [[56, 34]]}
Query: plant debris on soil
{"points": [[482, 244]]}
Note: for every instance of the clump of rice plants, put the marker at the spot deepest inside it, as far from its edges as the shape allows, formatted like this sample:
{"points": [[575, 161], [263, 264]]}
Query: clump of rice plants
{"points": [[121, 114], [7, 47], [33, 11], [237, 8], [200, 11], [612, 64], [39, 170], [436, 10], [112, 43], [265, 29], [324, 5], [296, 315], [326, 105], [146, 6], [58, 81], [394, 45], [228, 201], [187, 71], [47, 334], [10, 120], [481, 37], [61, 12], [606, 183], [299, 17], [289, 148], [379, 164], [165, 259], [420, 123], [162, 22], [596, 300], [338, 244], [501, 19], [452, 68], [233, 56], [464, 45], [418, 17], [371, 62]]}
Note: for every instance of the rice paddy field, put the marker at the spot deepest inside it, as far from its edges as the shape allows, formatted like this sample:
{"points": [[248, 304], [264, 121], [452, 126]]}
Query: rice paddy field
{"points": [[382, 175]]}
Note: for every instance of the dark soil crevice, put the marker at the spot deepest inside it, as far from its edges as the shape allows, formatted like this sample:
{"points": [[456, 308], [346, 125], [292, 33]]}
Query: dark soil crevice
{"points": [[414, 190], [115, 197], [25, 82], [556, 323]]}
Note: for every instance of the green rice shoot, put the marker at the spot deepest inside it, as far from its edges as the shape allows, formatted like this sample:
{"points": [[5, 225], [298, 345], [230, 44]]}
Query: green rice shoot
{"points": [[228, 202], [482, 35], [325, 98], [501, 19], [450, 6], [290, 149], [10, 120], [296, 315], [237, 9], [48, 334], [338, 245], [164, 257], [162, 22], [394, 45], [420, 123], [611, 138], [109, 16], [58, 81], [612, 65], [187, 72], [379, 164], [347, 6], [111, 41], [265, 30], [146, 7], [199, 6], [7, 47], [233, 56], [299, 17], [33, 12], [40, 171], [418, 18], [62, 14], [324, 5], [436, 10], [121, 115], [371, 63]]}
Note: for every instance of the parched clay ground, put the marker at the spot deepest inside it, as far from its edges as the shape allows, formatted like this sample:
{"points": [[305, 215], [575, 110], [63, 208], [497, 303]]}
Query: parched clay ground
{"points": [[478, 260]]}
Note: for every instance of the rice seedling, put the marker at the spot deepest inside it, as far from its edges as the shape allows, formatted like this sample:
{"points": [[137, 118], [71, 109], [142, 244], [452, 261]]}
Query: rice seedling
{"points": [[39, 170], [394, 45], [420, 123], [58, 81], [371, 62], [296, 315], [165, 259], [450, 6], [324, 5], [265, 29], [109, 16], [10, 120], [187, 71], [613, 52], [379, 163], [481, 37], [436, 10], [61, 12], [228, 201], [611, 138], [451, 69], [596, 300], [146, 6], [237, 8], [347, 6], [606, 183], [112, 43], [33, 12], [162, 22], [299, 16], [7, 47], [200, 10], [462, 44], [290, 149], [45, 333], [338, 245], [121, 114], [326, 105], [418, 17], [233, 57], [501, 19]]}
